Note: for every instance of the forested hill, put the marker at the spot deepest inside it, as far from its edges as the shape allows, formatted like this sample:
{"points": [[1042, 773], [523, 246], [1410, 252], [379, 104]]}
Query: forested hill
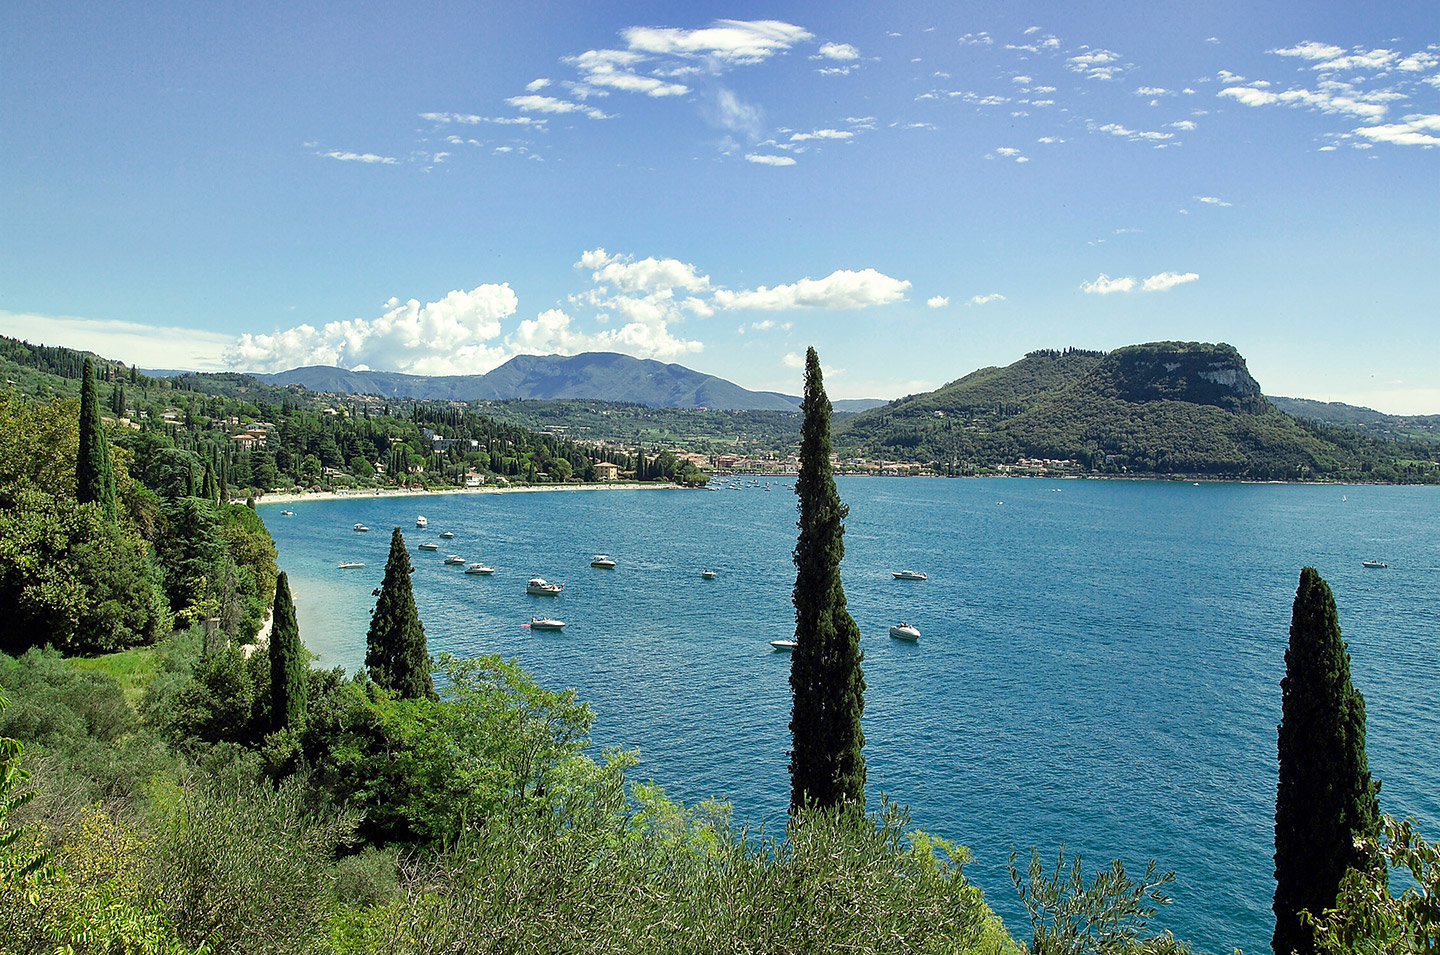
{"points": [[1364, 420], [1158, 408]]}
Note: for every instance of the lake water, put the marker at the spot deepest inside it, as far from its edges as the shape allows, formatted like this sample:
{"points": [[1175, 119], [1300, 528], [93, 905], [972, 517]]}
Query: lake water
{"points": [[1099, 664]]}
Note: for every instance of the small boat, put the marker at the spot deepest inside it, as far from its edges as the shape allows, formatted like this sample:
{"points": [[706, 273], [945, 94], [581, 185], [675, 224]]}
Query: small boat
{"points": [[360, 528], [907, 575], [479, 568], [351, 565], [287, 513], [454, 559], [421, 522], [538, 585], [447, 534], [785, 645], [1374, 564], [429, 546], [905, 631], [546, 623], [600, 560], [708, 574]]}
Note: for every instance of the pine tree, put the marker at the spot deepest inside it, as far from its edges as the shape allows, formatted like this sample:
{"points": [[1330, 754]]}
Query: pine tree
{"points": [[94, 479], [288, 669], [1326, 799], [827, 768], [395, 647]]}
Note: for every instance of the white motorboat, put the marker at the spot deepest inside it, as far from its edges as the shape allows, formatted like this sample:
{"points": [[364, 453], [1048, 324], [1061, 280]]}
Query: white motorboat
{"points": [[447, 534], [454, 559], [479, 568], [421, 522], [786, 645], [429, 546], [907, 575], [287, 513], [351, 565], [539, 585], [600, 560], [546, 623], [1374, 564], [905, 631], [360, 528], [708, 574]]}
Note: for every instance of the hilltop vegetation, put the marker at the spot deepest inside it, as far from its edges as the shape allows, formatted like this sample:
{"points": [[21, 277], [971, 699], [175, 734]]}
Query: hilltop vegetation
{"points": [[1162, 408]]}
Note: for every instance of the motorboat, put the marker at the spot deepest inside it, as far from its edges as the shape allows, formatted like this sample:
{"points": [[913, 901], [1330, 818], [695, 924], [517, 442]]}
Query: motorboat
{"points": [[360, 528], [785, 645], [421, 522], [907, 575], [539, 585], [351, 565], [600, 560], [479, 568], [1374, 564], [447, 534], [546, 623], [287, 513], [454, 559], [708, 574], [429, 546], [905, 631]]}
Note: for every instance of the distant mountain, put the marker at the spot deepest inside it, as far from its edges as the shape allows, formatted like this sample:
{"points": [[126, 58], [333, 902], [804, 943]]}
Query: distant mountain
{"points": [[1365, 420], [1163, 407], [596, 376]]}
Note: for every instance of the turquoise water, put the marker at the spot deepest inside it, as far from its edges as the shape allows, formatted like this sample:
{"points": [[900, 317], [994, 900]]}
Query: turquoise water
{"points": [[1099, 661]]}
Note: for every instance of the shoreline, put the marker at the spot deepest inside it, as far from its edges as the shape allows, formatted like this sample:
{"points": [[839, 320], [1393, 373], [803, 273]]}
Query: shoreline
{"points": [[289, 497]]}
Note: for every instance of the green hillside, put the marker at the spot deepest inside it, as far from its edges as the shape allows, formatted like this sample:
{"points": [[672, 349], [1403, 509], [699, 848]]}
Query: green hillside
{"points": [[1183, 408]]}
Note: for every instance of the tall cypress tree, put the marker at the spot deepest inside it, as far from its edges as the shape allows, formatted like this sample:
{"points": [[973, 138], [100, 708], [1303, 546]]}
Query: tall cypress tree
{"points": [[827, 768], [395, 647], [94, 479], [1326, 799], [288, 669]]}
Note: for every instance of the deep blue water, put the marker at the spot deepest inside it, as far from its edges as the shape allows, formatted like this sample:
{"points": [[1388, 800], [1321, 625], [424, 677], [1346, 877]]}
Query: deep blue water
{"points": [[1099, 662]]}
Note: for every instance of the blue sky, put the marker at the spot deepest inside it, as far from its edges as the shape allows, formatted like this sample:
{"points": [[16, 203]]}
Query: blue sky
{"points": [[917, 192]]}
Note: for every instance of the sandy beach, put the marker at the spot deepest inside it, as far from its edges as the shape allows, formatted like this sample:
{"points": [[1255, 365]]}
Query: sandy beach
{"points": [[306, 496]]}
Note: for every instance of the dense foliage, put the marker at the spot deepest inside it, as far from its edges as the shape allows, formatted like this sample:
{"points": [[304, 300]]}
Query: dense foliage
{"points": [[288, 663], [1367, 919], [1326, 806], [827, 768]]}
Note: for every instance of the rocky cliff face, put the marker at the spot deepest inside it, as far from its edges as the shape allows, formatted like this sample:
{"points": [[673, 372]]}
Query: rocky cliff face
{"points": [[1183, 371]]}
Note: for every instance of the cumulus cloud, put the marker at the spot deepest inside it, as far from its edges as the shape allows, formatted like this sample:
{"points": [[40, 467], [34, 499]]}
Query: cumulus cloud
{"points": [[369, 158], [444, 337], [645, 275], [985, 299], [1362, 106], [1417, 130], [1161, 282], [837, 51], [1097, 64], [937, 301], [534, 102], [842, 289], [765, 160], [731, 42]]}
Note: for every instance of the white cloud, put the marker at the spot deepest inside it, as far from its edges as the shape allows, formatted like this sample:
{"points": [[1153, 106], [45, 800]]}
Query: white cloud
{"points": [[837, 51], [149, 346], [976, 39], [1105, 285], [610, 68], [769, 160], [549, 104], [1212, 200], [1310, 50], [471, 119], [646, 275], [1183, 124], [842, 289], [444, 337], [937, 301], [1097, 64], [1152, 91], [1417, 130], [535, 86], [370, 158], [729, 42], [1324, 101], [793, 360], [985, 299], [1165, 281], [822, 134]]}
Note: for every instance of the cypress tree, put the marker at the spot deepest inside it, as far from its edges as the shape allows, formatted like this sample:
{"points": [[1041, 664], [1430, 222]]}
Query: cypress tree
{"points": [[288, 669], [395, 647], [1326, 799], [94, 479], [208, 488], [827, 768]]}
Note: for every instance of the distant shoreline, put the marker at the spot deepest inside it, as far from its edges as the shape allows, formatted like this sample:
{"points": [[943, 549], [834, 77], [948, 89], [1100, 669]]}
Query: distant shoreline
{"points": [[313, 496]]}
